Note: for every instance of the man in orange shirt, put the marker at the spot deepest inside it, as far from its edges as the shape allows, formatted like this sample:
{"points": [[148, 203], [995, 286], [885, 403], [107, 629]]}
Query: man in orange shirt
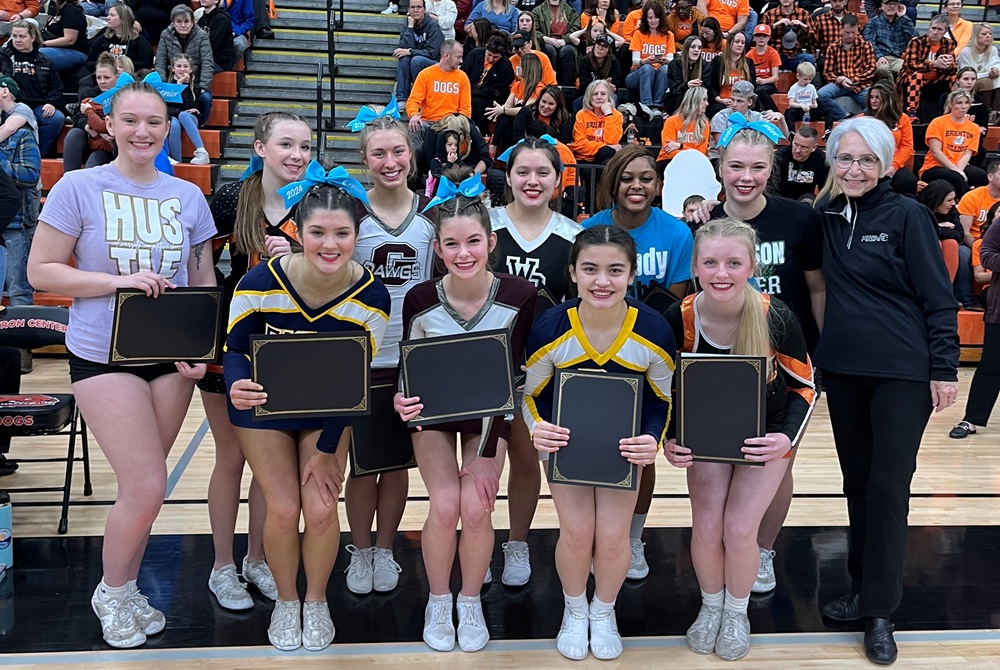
{"points": [[734, 16], [11, 10], [439, 90], [522, 45], [766, 63]]}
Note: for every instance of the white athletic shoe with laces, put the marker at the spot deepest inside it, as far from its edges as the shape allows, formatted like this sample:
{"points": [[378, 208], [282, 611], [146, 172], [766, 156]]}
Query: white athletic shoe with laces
{"points": [[285, 631], [225, 585], [572, 638], [385, 570], [472, 632], [393, 8], [605, 642], [703, 633], [258, 574], [766, 580], [439, 630], [734, 636], [516, 563], [638, 568], [201, 157], [117, 621], [360, 570], [317, 626], [149, 619]]}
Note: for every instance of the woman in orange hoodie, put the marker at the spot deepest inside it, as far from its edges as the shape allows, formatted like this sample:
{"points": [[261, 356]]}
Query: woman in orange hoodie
{"points": [[598, 130], [687, 129], [883, 104]]}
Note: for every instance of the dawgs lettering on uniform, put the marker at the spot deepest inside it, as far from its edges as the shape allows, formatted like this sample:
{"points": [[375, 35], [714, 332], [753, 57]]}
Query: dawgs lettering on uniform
{"points": [[394, 263]]}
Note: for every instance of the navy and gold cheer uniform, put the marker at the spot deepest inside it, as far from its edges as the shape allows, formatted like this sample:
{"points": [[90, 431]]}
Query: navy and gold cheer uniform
{"points": [[644, 345], [265, 302], [791, 393]]}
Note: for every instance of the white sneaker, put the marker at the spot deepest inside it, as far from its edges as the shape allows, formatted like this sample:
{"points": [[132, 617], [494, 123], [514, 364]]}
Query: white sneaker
{"points": [[285, 631], [516, 563], [172, 161], [149, 619], [638, 568], [734, 636], [317, 626], [200, 157], [605, 642], [765, 573], [704, 632], [258, 574], [359, 572], [472, 632], [439, 631], [117, 621], [572, 638], [488, 579], [393, 8], [385, 570], [225, 585]]}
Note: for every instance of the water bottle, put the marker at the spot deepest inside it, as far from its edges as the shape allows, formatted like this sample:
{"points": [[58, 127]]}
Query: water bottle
{"points": [[6, 535], [806, 118], [630, 134]]}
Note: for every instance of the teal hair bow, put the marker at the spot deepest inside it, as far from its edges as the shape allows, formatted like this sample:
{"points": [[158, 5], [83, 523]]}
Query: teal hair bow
{"points": [[315, 175], [505, 156], [738, 122], [171, 92], [366, 114], [256, 165], [447, 190]]}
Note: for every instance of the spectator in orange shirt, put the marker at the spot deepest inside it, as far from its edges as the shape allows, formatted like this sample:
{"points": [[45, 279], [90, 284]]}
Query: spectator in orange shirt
{"points": [[766, 63], [726, 70], [11, 9], [523, 91], [735, 16], [652, 49], [712, 43], [687, 129], [598, 130], [683, 21], [439, 90], [606, 14], [883, 104], [951, 141], [522, 45]]}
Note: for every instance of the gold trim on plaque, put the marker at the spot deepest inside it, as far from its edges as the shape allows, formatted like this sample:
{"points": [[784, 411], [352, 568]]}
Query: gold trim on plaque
{"points": [[122, 295]]}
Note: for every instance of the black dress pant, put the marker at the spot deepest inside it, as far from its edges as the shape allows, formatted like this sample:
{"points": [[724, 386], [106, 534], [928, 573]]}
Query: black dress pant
{"points": [[877, 425], [986, 382], [976, 177]]}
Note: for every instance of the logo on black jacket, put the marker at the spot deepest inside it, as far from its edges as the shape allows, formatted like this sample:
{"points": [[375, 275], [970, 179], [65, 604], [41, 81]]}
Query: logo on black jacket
{"points": [[395, 264]]}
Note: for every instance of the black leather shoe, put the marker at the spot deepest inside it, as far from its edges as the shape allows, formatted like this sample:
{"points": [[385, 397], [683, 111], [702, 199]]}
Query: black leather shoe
{"points": [[880, 647], [265, 33], [844, 608], [7, 467], [962, 430]]}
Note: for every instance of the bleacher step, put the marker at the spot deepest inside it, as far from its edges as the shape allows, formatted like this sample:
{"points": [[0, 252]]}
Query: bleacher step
{"points": [[303, 89], [353, 21], [315, 40], [348, 5], [304, 63]]}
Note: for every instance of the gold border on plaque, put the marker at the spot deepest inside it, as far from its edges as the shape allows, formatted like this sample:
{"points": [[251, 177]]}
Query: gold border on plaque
{"points": [[564, 377], [361, 338], [406, 349], [686, 362], [359, 472], [122, 295]]}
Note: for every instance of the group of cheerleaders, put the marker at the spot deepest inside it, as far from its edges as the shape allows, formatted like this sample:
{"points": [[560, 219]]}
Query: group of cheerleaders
{"points": [[316, 260]]}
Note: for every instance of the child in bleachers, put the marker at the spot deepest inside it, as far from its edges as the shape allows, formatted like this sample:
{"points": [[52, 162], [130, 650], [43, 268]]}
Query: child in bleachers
{"points": [[691, 204], [185, 114], [801, 95], [216, 22]]}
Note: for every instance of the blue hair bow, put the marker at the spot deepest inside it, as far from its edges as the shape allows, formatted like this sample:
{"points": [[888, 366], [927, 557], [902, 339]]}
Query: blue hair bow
{"points": [[171, 92], [738, 122], [447, 190], [315, 174], [366, 114], [256, 165], [505, 156]]}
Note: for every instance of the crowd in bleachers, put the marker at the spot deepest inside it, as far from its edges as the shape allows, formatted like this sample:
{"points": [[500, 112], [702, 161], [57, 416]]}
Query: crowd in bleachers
{"points": [[597, 75]]}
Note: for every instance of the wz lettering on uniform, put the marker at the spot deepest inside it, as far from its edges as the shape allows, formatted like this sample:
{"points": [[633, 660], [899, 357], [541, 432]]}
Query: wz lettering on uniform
{"points": [[135, 227]]}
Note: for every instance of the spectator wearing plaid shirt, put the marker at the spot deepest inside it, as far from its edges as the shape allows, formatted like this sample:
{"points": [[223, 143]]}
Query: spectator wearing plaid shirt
{"points": [[787, 16], [929, 66], [850, 70], [21, 161], [825, 28], [889, 32]]}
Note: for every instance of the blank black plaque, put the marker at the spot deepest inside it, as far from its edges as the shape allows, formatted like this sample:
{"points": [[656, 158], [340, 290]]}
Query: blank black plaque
{"points": [[458, 377], [312, 375], [659, 298], [721, 403], [599, 409], [182, 324], [380, 442]]}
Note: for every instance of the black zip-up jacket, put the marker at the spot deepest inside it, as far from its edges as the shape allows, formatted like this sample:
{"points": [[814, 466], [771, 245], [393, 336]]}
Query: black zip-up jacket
{"points": [[219, 27], [38, 80], [496, 86], [890, 310]]}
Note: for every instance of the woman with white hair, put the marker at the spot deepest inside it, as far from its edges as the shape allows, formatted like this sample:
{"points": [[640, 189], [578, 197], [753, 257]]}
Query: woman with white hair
{"points": [[884, 375]]}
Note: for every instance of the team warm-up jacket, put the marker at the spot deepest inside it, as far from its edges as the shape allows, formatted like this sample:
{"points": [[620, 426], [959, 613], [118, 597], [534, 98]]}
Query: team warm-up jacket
{"points": [[266, 303], [890, 309], [644, 345], [791, 392]]}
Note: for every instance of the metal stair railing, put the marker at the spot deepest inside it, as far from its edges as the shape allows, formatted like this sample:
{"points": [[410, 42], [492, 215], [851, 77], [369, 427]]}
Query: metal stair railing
{"points": [[334, 22]]}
